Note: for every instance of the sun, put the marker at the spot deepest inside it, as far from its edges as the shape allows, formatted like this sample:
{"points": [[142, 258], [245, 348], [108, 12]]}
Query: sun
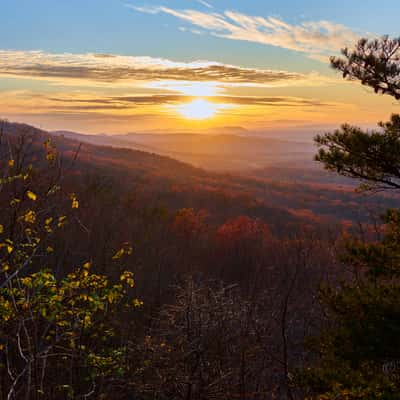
{"points": [[199, 109]]}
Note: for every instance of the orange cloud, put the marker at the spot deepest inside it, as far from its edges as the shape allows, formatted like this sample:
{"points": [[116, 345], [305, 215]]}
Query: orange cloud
{"points": [[110, 68]]}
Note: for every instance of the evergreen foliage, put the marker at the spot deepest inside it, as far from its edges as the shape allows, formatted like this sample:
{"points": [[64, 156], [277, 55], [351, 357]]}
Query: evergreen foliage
{"points": [[358, 355]]}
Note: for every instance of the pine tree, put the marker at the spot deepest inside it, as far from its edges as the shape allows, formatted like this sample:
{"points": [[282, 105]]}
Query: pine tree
{"points": [[358, 355]]}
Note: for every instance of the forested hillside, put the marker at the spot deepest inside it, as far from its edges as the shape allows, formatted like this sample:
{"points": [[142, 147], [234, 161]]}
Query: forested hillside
{"points": [[131, 275], [298, 190], [182, 232]]}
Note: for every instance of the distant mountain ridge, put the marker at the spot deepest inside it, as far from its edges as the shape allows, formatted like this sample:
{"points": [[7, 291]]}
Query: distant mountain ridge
{"points": [[220, 152], [278, 195]]}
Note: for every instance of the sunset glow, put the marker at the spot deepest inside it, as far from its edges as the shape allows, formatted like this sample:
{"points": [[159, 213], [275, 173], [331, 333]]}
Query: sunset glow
{"points": [[194, 62], [198, 109]]}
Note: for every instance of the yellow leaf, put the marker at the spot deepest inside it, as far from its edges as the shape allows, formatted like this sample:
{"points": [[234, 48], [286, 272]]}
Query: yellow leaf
{"points": [[118, 254], [29, 217], [14, 202], [50, 249], [11, 163], [137, 303], [87, 265], [61, 221], [10, 249], [87, 320], [128, 277], [1, 228], [110, 297], [50, 156], [74, 201], [47, 226], [31, 195]]}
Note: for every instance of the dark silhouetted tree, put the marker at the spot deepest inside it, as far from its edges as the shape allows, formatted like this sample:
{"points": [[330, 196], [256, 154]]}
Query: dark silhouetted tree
{"points": [[376, 63], [372, 156], [357, 356]]}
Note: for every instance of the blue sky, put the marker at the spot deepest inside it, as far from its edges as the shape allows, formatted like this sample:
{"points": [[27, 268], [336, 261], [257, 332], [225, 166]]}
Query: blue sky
{"points": [[295, 37], [109, 26]]}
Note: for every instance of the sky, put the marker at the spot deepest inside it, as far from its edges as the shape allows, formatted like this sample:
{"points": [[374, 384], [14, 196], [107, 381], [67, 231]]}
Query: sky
{"points": [[119, 66]]}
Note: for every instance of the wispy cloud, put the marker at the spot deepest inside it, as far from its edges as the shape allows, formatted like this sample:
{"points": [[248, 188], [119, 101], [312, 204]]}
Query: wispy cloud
{"points": [[205, 3], [66, 102], [315, 38], [109, 68], [131, 102], [282, 101]]}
